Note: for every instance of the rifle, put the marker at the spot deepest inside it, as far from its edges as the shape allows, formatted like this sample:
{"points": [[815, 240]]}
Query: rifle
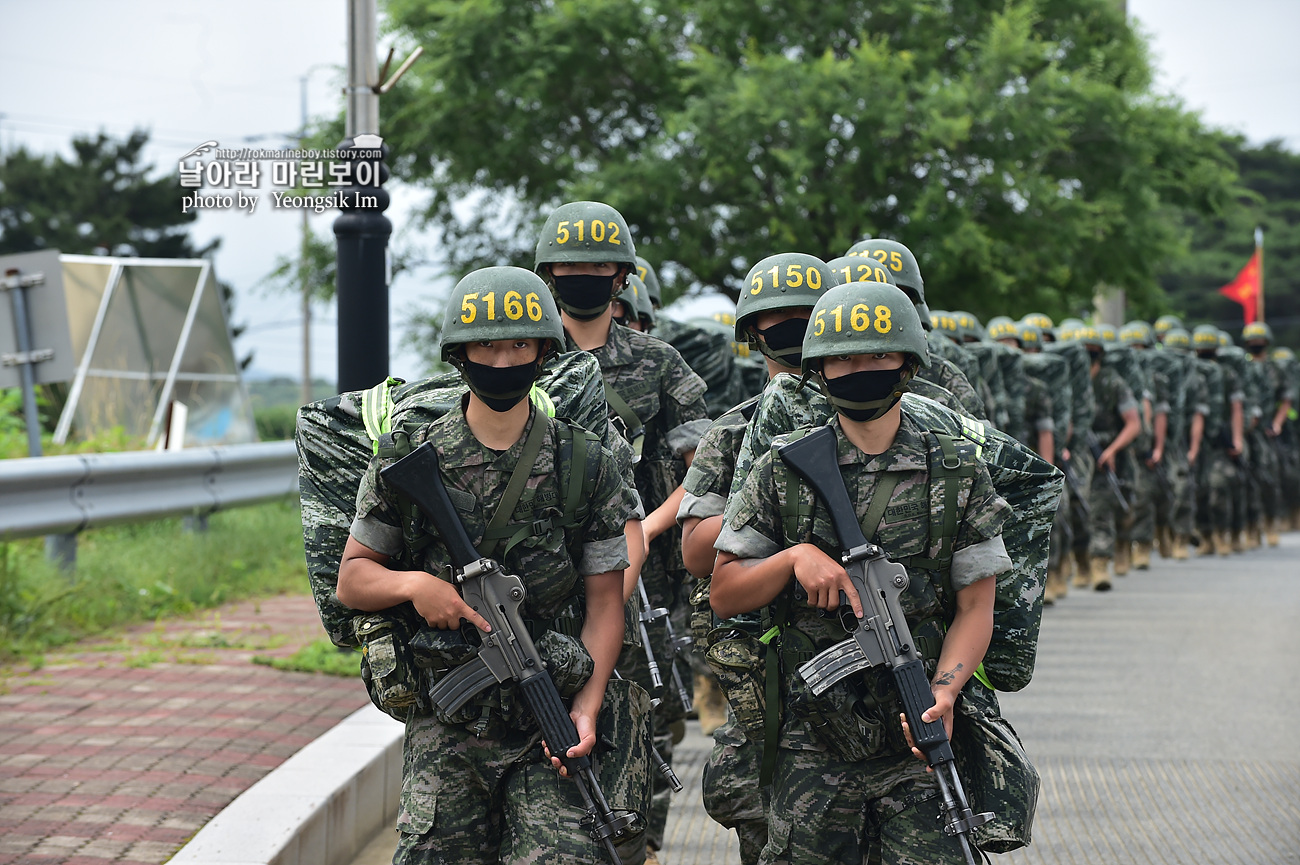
{"points": [[1094, 445], [881, 636], [676, 644], [1080, 495], [507, 652]]}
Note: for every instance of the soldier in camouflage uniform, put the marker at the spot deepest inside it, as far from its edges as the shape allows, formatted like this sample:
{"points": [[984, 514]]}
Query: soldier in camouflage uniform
{"points": [[1188, 407], [705, 350], [1289, 442], [835, 798], [1138, 532], [660, 404], [1243, 493], [477, 786], [1224, 434], [1076, 454], [1114, 427], [771, 317], [1275, 403]]}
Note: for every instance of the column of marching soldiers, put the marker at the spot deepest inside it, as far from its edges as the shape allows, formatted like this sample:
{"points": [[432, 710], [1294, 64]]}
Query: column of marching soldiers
{"points": [[1168, 441]]}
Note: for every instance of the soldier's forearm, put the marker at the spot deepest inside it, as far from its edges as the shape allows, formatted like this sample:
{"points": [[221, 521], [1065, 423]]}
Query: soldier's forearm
{"points": [[636, 556], [664, 517], [968, 638], [742, 585], [602, 634]]}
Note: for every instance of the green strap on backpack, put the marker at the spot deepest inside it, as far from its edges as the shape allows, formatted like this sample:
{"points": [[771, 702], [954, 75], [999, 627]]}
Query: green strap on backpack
{"points": [[635, 428]]}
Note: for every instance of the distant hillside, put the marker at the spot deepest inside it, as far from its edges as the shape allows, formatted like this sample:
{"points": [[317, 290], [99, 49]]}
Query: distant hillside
{"points": [[282, 391]]}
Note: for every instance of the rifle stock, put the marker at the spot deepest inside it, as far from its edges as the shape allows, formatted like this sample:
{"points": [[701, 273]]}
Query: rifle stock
{"points": [[882, 635], [507, 652]]}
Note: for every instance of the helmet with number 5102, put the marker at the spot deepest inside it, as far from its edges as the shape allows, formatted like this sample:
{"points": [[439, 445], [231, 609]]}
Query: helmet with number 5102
{"points": [[498, 303], [585, 232]]}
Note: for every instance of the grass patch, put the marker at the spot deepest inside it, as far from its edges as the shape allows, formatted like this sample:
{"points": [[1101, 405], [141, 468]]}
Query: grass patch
{"points": [[145, 571], [320, 656]]}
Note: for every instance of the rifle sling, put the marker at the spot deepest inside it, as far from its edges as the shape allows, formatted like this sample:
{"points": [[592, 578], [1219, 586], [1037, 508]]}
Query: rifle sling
{"points": [[492, 538], [635, 428]]}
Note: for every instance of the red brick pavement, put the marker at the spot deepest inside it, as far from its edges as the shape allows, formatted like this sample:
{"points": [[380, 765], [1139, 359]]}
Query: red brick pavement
{"points": [[120, 750]]}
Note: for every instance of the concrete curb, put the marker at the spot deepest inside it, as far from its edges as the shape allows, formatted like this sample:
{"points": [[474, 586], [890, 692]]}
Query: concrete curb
{"points": [[320, 807]]}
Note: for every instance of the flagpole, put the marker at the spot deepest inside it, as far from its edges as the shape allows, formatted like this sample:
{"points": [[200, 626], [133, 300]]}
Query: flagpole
{"points": [[1259, 250]]}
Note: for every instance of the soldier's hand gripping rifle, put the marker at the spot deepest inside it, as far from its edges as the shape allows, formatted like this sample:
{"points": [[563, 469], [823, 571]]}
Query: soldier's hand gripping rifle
{"points": [[1094, 445], [648, 614], [507, 653], [1080, 494], [881, 636]]}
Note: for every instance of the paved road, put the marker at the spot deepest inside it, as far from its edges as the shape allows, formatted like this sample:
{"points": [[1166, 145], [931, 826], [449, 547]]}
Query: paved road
{"points": [[1162, 717]]}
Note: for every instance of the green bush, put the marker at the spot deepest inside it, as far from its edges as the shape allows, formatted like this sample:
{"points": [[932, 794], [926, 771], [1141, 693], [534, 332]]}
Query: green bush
{"points": [[144, 571], [275, 422], [320, 656]]}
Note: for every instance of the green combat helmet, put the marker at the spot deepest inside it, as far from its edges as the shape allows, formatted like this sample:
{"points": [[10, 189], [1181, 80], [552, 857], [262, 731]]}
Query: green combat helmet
{"points": [[651, 280], [946, 323], [788, 280], [1166, 323], [1177, 338], [585, 232], [857, 268], [865, 318], [631, 298], [1137, 333], [1090, 335], [500, 303], [1282, 354], [1256, 332], [1030, 336], [1205, 338], [645, 308], [1039, 320], [1108, 333], [969, 328], [1002, 327], [902, 264], [1225, 338], [1068, 329]]}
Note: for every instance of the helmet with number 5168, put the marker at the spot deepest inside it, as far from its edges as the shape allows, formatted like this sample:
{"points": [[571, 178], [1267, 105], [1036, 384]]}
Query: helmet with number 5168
{"points": [[864, 318]]}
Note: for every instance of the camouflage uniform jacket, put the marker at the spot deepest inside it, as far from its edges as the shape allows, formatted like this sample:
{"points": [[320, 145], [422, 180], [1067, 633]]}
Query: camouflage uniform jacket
{"points": [[1195, 399], [708, 480], [1038, 411], [709, 356], [1113, 397], [1054, 371], [949, 376], [1217, 400], [753, 528], [551, 564], [667, 398]]}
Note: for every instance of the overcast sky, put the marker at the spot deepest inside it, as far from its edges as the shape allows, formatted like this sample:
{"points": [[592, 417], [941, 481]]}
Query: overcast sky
{"points": [[231, 71]]}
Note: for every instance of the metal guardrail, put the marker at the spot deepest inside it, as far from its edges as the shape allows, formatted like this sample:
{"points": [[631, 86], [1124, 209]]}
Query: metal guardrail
{"points": [[62, 494]]}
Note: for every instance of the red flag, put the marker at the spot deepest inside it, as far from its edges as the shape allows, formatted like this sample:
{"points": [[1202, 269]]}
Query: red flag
{"points": [[1245, 288]]}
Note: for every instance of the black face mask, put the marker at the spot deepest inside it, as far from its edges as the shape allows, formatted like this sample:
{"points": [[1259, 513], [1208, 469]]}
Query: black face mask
{"points": [[867, 395], [783, 342], [1094, 354], [500, 387], [584, 296], [1257, 349]]}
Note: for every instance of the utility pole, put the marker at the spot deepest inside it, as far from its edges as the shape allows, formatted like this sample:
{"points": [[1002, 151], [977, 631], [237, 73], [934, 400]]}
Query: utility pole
{"points": [[304, 395], [362, 232], [1110, 302]]}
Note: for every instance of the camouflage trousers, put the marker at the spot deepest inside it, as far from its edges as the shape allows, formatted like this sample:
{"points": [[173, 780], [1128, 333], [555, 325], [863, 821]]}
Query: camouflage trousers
{"points": [[826, 810], [1266, 472], [732, 796], [467, 799], [1059, 545], [1289, 460], [1139, 526], [1176, 501], [1107, 515], [1215, 477], [1083, 465]]}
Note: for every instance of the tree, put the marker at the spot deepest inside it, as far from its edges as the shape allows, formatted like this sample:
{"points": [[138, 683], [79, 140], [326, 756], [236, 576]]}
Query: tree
{"points": [[1016, 146], [1222, 244], [102, 200]]}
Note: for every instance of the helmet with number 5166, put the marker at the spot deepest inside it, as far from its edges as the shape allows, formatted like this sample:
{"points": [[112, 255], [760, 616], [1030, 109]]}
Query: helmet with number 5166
{"points": [[498, 303]]}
